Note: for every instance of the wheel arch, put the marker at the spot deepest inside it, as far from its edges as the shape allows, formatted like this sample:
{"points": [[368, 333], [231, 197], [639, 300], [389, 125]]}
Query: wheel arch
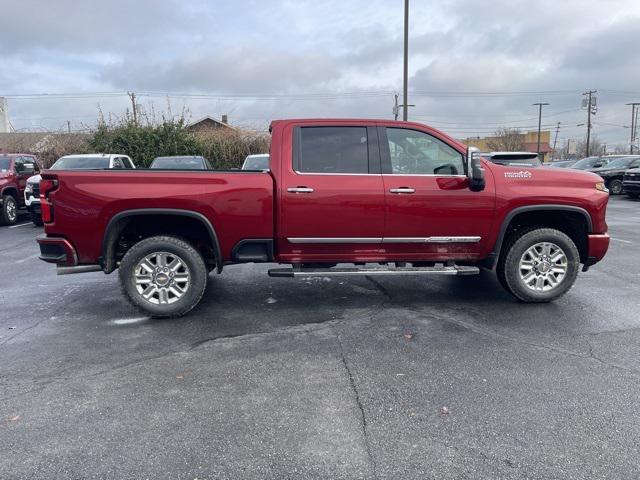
{"points": [[532, 212], [10, 190], [121, 220]]}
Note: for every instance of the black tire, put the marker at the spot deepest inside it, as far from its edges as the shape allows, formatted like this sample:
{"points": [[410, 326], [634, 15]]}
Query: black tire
{"points": [[615, 186], [508, 269], [9, 211], [175, 247], [36, 218]]}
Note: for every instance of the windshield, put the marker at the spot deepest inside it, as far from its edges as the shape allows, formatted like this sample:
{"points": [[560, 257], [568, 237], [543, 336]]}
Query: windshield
{"points": [[588, 162], [620, 162], [81, 163], [259, 162], [4, 164], [178, 163]]}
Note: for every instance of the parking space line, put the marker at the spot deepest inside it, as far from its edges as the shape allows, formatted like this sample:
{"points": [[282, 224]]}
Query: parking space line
{"points": [[20, 225], [621, 240], [26, 259]]}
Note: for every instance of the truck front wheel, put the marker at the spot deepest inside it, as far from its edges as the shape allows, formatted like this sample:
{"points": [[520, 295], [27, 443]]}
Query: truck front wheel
{"points": [[539, 265], [163, 276], [8, 210]]}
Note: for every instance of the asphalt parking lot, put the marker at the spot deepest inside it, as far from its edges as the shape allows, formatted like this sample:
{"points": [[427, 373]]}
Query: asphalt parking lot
{"points": [[325, 378]]}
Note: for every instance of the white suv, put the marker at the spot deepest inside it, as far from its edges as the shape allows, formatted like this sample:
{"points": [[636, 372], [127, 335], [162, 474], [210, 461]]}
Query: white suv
{"points": [[85, 161]]}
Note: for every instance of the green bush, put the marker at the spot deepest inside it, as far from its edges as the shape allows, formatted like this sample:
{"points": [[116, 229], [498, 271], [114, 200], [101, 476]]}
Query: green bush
{"points": [[224, 148]]}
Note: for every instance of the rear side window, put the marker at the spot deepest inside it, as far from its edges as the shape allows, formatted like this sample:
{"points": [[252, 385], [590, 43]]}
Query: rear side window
{"points": [[332, 150]]}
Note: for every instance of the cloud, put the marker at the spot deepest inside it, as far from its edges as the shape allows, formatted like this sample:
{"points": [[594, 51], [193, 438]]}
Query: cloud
{"points": [[296, 47]]}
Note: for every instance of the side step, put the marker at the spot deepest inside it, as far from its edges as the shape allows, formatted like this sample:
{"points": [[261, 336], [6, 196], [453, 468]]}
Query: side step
{"points": [[438, 269]]}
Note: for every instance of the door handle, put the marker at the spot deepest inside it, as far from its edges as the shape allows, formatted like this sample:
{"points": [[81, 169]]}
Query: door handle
{"points": [[402, 190], [300, 190]]}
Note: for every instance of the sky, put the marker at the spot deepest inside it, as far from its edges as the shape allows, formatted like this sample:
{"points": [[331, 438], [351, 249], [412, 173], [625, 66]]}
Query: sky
{"points": [[474, 66]]}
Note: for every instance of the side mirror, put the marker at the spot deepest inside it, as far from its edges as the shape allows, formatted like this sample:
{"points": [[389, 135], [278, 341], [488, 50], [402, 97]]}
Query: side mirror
{"points": [[475, 172]]}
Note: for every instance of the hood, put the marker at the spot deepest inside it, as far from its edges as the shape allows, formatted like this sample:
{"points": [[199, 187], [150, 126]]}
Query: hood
{"points": [[4, 175], [565, 177], [34, 179]]}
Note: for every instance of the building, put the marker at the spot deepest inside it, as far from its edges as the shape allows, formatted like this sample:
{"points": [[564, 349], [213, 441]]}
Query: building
{"points": [[5, 126], [208, 124], [528, 142]]}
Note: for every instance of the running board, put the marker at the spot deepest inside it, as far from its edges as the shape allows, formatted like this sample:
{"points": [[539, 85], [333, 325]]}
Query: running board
{"points": [[343, 272]]}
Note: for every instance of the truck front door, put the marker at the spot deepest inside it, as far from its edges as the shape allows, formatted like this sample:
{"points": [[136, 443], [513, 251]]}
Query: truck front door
{"points": [[331, 196], [430, 211]]}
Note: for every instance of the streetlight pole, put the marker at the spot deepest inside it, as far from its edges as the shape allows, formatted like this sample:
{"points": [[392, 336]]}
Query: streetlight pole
{"points": [[539, 123], [405, 99], [633, 125]]}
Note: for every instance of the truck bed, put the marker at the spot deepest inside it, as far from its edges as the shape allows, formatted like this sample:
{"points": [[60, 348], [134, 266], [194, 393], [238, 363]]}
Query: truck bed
{"points": [[239, 204]]}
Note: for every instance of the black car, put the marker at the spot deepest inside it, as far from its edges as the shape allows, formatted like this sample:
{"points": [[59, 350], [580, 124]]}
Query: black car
{"points": [[631, 182], [613, 172], [589, 163], [181, 163]]}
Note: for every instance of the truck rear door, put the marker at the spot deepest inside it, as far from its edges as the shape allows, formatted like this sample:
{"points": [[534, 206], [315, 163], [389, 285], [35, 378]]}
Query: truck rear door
{"points": [[331, 193]]}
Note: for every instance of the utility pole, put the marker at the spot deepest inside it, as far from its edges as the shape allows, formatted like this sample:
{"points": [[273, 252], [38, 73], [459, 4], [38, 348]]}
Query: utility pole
{"points": [[633, 125], [539, 105], [134, 109], [555, 140], [405, 99], [396, 108], [68, 126], [590, 99]]}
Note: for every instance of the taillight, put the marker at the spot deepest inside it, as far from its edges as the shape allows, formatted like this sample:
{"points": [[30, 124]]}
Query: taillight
{"points": [[46, 186]]}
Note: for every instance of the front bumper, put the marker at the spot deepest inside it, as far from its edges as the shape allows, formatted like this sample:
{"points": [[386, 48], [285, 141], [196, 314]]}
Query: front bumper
{"points": [[57, 250], [598, 246], [34, 208]]}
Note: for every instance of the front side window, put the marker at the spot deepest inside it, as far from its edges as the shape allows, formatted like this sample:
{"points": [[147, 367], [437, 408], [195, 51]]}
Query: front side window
{"points": [[333, 150], [417, 153]]}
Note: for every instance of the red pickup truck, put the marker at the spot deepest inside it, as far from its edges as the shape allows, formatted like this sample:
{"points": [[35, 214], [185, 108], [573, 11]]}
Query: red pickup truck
{"points": [[388, 198]]}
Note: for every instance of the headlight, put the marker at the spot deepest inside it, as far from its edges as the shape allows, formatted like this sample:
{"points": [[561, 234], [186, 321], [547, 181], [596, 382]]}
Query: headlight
{"points": [[602, 187], [28, 188]]}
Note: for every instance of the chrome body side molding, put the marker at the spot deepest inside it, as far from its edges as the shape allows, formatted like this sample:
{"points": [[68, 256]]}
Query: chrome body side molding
{"points": [[312, 240]]}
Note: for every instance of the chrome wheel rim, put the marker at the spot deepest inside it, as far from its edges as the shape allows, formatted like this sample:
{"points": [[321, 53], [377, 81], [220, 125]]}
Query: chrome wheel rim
{"points": [[12, 211], [543, 267], [162, 278]]}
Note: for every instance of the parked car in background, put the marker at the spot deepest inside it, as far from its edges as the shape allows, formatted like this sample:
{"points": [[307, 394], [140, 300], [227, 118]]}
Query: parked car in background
{"points": [[15, 169], [561, 163], [613, 172], [589, 163], [256, 162], [183, 162], [631, 182], [514, 159], [89, 161]]}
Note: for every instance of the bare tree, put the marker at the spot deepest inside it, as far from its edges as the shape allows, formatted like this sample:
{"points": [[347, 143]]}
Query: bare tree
{"points": [[596, 147], [506, 139]]}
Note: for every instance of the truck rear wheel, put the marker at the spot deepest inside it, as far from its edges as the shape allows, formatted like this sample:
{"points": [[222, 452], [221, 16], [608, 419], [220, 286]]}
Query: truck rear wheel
{"points": [[163, 276], [539, 265]]}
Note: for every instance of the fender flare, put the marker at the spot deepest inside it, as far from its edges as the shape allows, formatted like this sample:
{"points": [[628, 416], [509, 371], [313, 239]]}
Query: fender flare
{"points": [[111, 232], [492, 260]]}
